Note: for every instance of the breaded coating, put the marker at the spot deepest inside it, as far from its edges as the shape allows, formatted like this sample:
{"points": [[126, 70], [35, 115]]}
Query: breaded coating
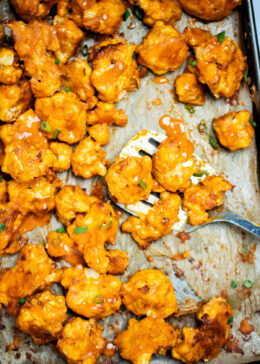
{"points": [[144, 338], [88, 159], [220, 66], [234, 130], [71, 200], [163, 49], [69, 36], [42, 316], [35, 43], [36, 196], [10, 72], [149, 292], [99, 16], [107, 113], [205, 341], [91, 231], [32, 9], [59, 244], [129, 179], [157, 223], [189, 90], [118, 261], [208, 194], [15, 99], [3, 190], [167, 11], [64, 113], [174, 164], [195, 36], [209, 10], [100, 133], [115, 71], [76, 75], [91, 294], [81, 341], [62, 156], [34, 271]]}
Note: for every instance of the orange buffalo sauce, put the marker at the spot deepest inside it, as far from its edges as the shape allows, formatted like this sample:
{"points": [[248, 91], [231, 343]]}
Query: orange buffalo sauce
{"points": [[161, 80], [171, 126]]}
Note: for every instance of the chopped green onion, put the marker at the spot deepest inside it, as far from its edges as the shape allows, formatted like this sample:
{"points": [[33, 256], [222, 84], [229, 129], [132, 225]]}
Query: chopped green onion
{"points": [[138, 12], [213, 142], [80, 230], [221, 36], [190, 108], [56, 133], [22, 301], [200, 173], [2, 226], [7, 38], [84, 50], [253, 123], [245, 75], [56, 242], [247, 283], [67, 89], [202, 127], [1, 179], [126, 15], [61, 230], [57, 61], [230, 320], [109, 224], [98, 299], [100, 226], [45, 126], [142, 184], [234, 284], [193, 63]]}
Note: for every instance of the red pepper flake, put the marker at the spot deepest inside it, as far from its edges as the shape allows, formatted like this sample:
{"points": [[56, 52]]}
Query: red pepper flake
{"points": [[183, 236], [245, 327]]}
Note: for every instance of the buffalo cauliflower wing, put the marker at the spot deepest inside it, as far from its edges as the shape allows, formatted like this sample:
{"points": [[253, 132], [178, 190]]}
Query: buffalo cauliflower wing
{"points": [[195, 36], [3, 190], [62, 156], [100, 133], [32, 9], [189, 90], [106, 113], [10, 72]]}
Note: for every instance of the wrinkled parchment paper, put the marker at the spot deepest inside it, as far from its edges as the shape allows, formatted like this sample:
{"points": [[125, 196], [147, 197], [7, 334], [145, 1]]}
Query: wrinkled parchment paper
{"points": [[214, 249]]}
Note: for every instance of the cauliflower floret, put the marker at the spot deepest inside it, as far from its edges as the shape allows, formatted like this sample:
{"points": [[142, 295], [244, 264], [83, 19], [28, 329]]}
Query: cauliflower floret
{"points": [[59, 244], [88, 159], [149, 292], [3, 190], [62, 156], [34, 43], [65, 115], [114, 70], [33, 271], [100, 133], [81, 341], [32, 9], [208, 194], [129, 179], [234, 130], [144, 338], [118, 261], [42, 316], [98, 16], [10, 72], [69, 37], [163, 49], [174, 164], [209, 10], [220, 65], [189, 90], [107, 113], [157, 223], [15, 99], [91, 294], [195, 36]]}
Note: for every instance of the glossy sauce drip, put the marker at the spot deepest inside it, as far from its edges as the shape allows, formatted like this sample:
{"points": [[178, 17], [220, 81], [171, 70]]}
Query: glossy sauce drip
{"points": [[171, 126], [74, 258], [31, 221], [161, 80]]}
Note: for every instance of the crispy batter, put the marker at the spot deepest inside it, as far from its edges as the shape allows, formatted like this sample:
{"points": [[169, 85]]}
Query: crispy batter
{"points": [[234, 130], [98, 15], [220, 66], [107, 113], [91, 294], [88, 159], [3, 190], [118, 261], [163, 49], [144, 338], [100, 133], [32, 9], [42, 316], [129, 179], [69, 37], [115, 71], [208, 194], [195, 36], [81, 341], [209, 10], [189, 90], [157, 223], [59, 244], [64, 112], [34, 271], [10, 72], [149, 292], [62, 156], [173, 163], [15, 99]]}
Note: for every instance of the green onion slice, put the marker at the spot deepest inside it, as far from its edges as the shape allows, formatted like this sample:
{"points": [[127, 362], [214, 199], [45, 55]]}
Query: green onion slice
{"points": [[234, 284], [109, 224], [61, 230], [1, 179], [247, 283], [56, 242], [99, 299], [253, 123], [57, 61], [142, 184], [245, 75], [230, 320], [84, 50], [45, 126], [193, 63], [101, 226], [202, 127], [213, 142], [80, 230], [126, 15], [22, 301], [190, 108], [221, 36], [68, 89], [138, 12], [56, 133], [200, 173], [2, 226]]}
